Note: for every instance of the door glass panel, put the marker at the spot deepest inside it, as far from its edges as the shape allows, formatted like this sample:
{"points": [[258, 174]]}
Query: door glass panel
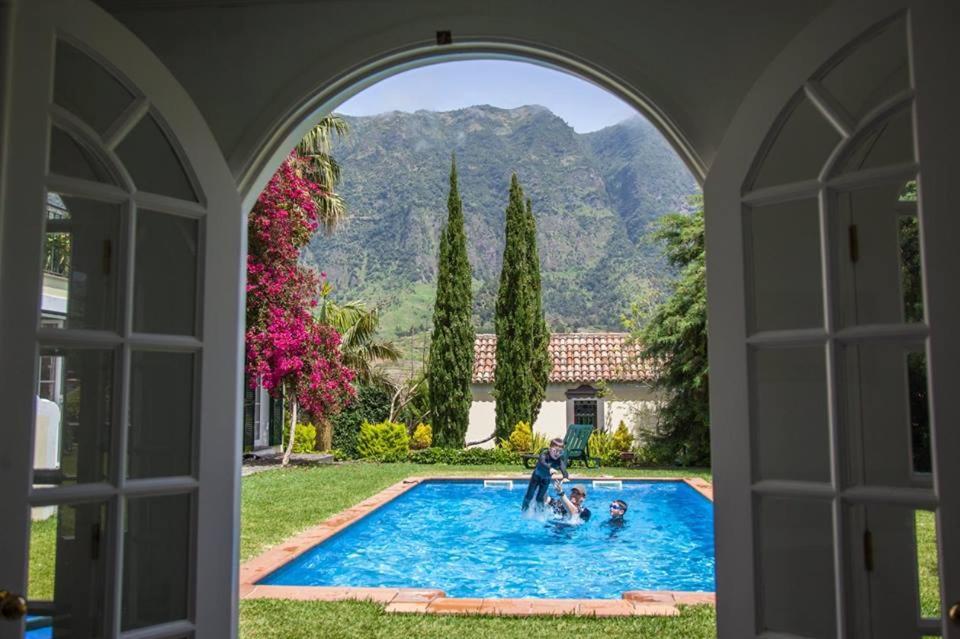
{"points": [[67, 573], [796, 572], [874, 71], [153, 164], [87, 90], [161, 414], [785, 265], [928, 570], [165, 288], [156, 561], [799, 148], [82, 251], [887, 543], [790, 428], [878, 258], [908, 240], [72, 436], [887, 144], [891, 429], [69, 157], [919, 412]]}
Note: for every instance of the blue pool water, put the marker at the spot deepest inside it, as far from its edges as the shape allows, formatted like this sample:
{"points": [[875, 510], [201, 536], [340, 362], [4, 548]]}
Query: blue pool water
{"points": [[472, 541]]}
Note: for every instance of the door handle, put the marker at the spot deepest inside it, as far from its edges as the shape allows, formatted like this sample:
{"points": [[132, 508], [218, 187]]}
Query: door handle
{"points": [[12, 607], [954, 613]]}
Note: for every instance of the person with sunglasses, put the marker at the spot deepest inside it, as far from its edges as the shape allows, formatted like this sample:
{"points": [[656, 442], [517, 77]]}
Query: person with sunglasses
{"points": [[618, 508]]}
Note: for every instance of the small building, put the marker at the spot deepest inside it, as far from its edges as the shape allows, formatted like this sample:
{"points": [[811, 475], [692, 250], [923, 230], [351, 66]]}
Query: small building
{"points": [[596, 378]]}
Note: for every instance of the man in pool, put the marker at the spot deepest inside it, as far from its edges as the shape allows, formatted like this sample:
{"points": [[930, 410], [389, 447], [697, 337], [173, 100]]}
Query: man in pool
{"points": [[550, 461], [571, 507]]}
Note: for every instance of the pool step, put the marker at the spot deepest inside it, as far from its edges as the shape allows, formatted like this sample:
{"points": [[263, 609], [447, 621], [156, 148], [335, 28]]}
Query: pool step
{"points": [[498, 483], [614, 484]]}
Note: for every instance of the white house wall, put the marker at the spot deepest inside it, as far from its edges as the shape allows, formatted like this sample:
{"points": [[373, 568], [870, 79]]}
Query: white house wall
{"points": [[632, 403]]}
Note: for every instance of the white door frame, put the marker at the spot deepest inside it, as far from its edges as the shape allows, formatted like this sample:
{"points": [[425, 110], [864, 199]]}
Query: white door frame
{"points": [[28, 80], [936, 53]]}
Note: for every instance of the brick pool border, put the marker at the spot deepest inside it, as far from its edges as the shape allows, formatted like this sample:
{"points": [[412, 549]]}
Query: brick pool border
{"points": [[426, 600]]}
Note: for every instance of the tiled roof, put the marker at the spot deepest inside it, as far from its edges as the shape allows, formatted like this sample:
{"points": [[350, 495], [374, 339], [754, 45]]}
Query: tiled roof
{"points": [[576, 357]]}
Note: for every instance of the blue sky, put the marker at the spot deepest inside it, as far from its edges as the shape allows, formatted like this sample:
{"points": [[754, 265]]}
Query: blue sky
{"points": [[454, 85]]}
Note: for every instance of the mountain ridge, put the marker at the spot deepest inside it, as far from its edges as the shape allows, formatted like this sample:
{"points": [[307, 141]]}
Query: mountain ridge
{"points": [[594, 195]]}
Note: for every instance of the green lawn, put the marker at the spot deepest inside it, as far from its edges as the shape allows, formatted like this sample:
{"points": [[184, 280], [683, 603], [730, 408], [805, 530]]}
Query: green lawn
{"points": [[279, 503], [274, 619]]}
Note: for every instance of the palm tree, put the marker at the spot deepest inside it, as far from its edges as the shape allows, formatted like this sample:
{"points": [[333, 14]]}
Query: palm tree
{"points": [[358, 325], [323, 169]]}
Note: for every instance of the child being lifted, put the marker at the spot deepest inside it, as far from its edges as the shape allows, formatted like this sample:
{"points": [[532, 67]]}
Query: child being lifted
{"points": [[550, 462]]}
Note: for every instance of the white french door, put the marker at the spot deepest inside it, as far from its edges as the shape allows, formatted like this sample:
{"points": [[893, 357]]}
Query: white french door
{"points": [[834, 349], [120, 508]]}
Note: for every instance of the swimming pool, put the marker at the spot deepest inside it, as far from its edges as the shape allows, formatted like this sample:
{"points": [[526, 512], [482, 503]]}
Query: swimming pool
{"points": [[471, 541]]}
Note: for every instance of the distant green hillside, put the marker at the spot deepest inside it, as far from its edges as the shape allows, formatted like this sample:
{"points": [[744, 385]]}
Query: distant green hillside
{"points": [[594, 197]]}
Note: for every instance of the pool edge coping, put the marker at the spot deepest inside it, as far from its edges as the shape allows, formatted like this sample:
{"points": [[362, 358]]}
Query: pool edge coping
{"points": [[427, 600]]}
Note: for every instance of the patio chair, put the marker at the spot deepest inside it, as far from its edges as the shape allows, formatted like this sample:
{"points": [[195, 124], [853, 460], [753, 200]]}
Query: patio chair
{"points": [[576, 447]]}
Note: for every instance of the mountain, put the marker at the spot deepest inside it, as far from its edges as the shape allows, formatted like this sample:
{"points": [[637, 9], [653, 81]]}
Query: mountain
{"points": [[594, 197]]}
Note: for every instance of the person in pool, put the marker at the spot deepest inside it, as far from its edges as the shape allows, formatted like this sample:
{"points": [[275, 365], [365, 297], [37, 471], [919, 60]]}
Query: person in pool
{"points": [[571, 507], [618, 508], [550, 462]]}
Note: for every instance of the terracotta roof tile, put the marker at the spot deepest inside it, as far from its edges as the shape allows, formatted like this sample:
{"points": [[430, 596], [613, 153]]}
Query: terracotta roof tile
{"points": [[576, 357]]}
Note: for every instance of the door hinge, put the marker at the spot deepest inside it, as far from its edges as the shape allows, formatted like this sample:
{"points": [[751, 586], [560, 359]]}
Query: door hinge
{"points": [[854, 243], [868, 550]]}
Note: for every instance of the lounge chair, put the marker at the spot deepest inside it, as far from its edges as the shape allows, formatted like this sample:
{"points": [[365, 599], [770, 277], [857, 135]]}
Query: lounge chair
{"points": [[576, 447]]}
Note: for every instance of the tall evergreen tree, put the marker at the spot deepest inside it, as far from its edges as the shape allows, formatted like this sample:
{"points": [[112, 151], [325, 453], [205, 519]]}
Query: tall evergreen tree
{"points": [[451, 348], [676, 335], [540, 342], [513, 380]]}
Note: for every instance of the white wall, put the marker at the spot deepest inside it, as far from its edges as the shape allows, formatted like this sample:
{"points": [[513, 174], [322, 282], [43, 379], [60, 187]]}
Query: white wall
{"points": [[624, 402]]}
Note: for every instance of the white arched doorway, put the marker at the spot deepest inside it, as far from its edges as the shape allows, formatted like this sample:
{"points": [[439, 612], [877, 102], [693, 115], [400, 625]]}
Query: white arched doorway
{"points": [[813, 343], [107, 157]]}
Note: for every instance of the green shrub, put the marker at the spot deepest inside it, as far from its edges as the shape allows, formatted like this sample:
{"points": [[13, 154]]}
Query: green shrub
{"points": [[464, 456], [524, 440], [622, 439], [383, 442], [540, 442], [305, 438], [422, 437], [601, 445], [521, 439], [372, 404]]}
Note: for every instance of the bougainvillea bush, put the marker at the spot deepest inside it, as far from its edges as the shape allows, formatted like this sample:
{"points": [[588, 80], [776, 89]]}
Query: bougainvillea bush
{"points": [[287, 349]]}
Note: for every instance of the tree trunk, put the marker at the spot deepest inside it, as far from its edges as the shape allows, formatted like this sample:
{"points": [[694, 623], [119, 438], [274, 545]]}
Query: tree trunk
{"points": [[324, 441], [293, 431]]}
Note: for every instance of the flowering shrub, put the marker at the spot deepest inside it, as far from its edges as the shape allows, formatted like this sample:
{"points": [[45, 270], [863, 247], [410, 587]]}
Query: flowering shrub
{"points": [[285, 346], [422, 437]]}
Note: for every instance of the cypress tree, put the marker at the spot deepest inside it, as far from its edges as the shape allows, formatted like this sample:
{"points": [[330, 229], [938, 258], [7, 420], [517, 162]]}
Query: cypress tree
{"points": [[513, 379], [451, 348], [540, 342]]}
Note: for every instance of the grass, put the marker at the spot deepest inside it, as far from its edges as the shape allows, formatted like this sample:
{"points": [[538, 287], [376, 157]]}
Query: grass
{"points": [[43, 557], [927, 564], [275, 619]]}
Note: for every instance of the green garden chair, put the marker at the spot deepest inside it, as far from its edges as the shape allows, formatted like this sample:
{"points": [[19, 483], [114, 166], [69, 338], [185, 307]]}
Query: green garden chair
{"points": [[576, 447]]}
